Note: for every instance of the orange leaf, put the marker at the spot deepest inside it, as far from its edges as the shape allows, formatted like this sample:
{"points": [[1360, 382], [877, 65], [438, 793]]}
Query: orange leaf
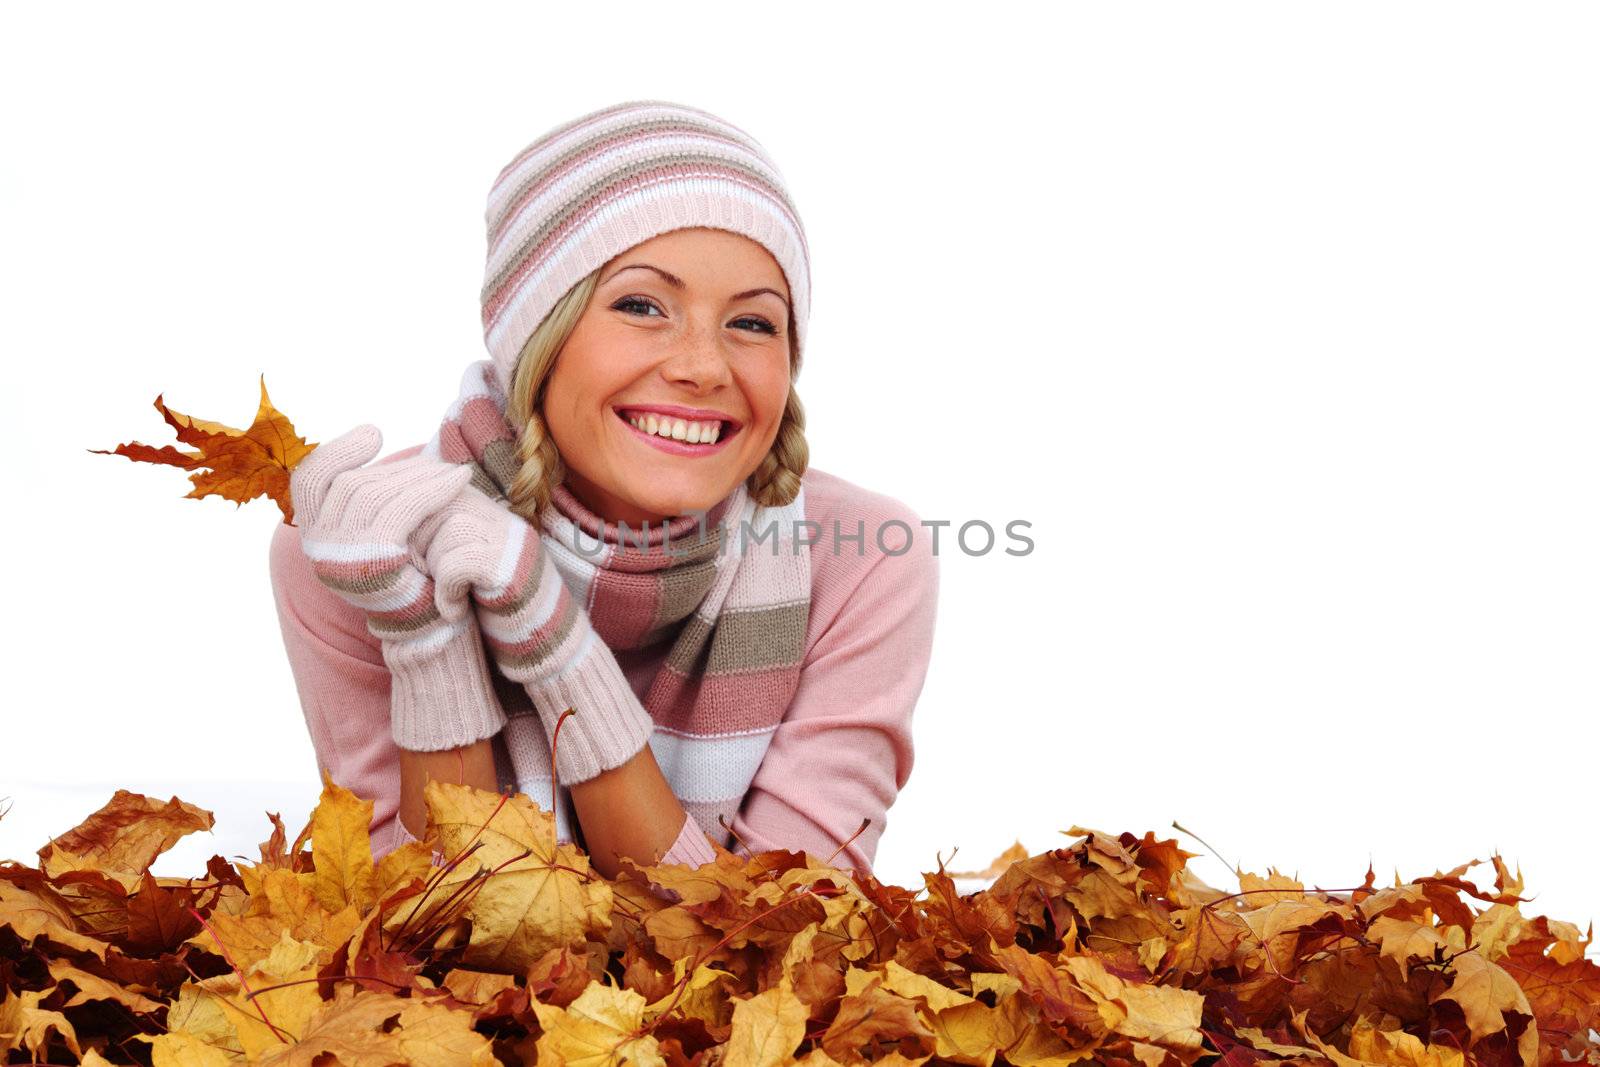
{"points": [[243, 464]]}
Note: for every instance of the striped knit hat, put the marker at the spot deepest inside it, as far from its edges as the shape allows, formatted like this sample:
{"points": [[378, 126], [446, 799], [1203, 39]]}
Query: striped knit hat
{"points": [[594, 187]]}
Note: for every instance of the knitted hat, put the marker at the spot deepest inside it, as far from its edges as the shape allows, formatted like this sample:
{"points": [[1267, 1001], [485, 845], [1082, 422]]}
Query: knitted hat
{"points": [[594, 187]]}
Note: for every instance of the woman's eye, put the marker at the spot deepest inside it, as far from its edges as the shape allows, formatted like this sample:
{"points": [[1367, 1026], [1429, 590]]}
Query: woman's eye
{"points": [[628, 302], [633, 301]]}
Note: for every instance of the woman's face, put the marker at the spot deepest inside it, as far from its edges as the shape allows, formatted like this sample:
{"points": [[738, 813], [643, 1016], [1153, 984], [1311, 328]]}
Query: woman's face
{"points": [[672, 385]]}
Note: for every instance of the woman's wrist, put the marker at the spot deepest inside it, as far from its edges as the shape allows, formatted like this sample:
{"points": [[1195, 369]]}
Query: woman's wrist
{"points": [[608, 726], [441, 692]]}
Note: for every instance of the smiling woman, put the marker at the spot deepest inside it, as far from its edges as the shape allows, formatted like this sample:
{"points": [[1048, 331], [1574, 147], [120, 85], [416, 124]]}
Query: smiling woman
{"points": [[579, 521]]}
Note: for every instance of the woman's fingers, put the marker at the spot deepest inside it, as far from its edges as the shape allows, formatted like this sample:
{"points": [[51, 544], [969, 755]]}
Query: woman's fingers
{"points": [[387, 501], [314, 475], [426, 492], [463, 547]]}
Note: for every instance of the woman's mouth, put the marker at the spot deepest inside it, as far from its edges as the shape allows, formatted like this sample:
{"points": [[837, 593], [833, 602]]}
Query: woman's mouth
{"points": [[680, 431]]}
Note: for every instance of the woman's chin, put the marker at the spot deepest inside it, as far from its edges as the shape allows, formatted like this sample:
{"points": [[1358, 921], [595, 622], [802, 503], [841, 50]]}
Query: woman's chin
{"points": [[692, 496], [671, 485]]}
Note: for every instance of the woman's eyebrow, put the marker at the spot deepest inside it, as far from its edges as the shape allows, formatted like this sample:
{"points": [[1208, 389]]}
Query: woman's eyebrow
{"points": [[677, 282]]}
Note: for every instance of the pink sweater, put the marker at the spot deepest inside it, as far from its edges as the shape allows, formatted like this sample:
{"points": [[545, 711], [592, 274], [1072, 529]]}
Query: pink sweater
{"points": [[842, 752]]}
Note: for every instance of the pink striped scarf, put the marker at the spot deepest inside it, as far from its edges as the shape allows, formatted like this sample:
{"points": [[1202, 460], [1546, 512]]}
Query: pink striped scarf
{"points": [[734, 608]]}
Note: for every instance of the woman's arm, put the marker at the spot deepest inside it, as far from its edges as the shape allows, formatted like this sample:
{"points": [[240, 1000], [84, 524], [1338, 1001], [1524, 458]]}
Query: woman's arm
{"points": [[344, 688], [631, 811], [472, 765]]}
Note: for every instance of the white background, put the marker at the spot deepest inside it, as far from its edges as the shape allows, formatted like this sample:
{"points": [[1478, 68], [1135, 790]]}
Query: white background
{"points": [[1277, 321]]}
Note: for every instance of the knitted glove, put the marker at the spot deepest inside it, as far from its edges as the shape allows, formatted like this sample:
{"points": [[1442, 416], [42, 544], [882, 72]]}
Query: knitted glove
{"points": [[538, 634], [365, 532]]}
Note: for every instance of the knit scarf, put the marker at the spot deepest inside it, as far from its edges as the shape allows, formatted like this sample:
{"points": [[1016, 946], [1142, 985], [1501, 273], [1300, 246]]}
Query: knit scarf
{"points": [[733, 600]]}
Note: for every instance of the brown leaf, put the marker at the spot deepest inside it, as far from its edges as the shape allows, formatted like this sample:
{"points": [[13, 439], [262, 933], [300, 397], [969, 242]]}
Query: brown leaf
{"points": [[159, 919], [998, 865], [123, 838], [869, 1015]]}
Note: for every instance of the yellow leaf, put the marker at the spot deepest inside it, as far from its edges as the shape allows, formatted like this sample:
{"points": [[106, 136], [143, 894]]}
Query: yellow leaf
{"points": [[596, 1030], [767, 1028], [361, 1029], [1498, 927], [909, 983], [998, 982], [1396, 1047], [435, 1036], [1486, 992], [180, 1049], [289, 1008], [534, 895], [1164, 1015], [93, 987], [1284, 915], [966, 1034], [705, 995], [1403, 940], [1259, 891], [341, 848], [414, 859], [1029, 1043], [205, 1014], [41, 912], [282, 903]]}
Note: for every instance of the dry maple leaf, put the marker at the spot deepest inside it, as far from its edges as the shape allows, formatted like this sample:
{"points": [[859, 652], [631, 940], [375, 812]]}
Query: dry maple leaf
{"points": [[598, 1030], [341, 850], [243, 464], [767, 1028], [998, 865], [124, 837], [24, 1025], [528, 894]]}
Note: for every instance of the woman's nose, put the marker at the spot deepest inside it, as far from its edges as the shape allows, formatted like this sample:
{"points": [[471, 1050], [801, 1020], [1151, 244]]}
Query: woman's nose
{"points": [[697, 362]]}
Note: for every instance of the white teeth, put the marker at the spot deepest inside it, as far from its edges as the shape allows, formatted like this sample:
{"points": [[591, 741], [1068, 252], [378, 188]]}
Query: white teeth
{"points": [[694, 433]]}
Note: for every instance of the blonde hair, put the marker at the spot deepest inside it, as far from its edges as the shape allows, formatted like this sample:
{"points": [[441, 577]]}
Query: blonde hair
{"points": [[775, 481]]}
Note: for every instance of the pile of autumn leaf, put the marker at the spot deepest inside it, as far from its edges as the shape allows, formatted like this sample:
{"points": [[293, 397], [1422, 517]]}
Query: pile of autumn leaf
{"points": [[499, 945]]}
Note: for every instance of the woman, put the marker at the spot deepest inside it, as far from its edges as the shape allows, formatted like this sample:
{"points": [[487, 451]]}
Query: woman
{"points": [[617, 516]]}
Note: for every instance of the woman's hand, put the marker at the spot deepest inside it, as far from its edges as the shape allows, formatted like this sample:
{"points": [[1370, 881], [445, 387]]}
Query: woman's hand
{"points": [[471, 547], [359, 520], [366, 530], [480, 550]]}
